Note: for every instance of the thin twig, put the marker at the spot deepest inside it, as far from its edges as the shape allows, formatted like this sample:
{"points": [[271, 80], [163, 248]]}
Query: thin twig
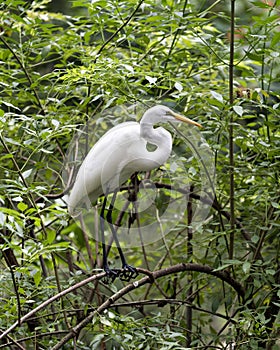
{"points": [[177, 32], [118, 30], [24, 70], [12, 341], [163, 302]]}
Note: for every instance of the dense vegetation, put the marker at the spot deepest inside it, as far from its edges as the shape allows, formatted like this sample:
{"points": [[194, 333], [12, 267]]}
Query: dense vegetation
{"points": [[213, 254]]}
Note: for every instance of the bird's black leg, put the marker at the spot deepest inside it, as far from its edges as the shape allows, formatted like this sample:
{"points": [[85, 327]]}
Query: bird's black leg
{"points": [[128, 272], [111, 275]]}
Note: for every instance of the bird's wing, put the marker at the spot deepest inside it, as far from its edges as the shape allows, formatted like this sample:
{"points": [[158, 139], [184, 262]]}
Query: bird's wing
{"points": [[103, 163]]}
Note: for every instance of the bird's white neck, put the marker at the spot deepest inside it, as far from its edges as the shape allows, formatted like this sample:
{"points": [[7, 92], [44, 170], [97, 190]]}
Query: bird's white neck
{"points": [[156, 136], [150, 134], [147, 131]]}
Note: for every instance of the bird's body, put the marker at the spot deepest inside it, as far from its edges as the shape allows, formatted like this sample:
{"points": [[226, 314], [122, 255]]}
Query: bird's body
{"points": [[125, 154], [121, 152], [118, 154]]}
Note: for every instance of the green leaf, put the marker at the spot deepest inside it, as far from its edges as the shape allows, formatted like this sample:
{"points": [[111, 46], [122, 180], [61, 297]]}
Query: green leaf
{"points": [[178, 86], [246, 267], [255, 239], [55, 123], [217, 96], [216, 302], [228, 263], [238, 110], [45, 51], [105, 321], [51, 236], [22, 206], [17, 199], [151, 80], [261, 4], [27, 173], [37, 277], [275, 39], [8, 104], [6, 156], [12, 141]]}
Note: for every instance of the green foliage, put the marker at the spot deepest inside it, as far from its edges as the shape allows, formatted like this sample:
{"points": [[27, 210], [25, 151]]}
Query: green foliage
{"points": [[96, 66]]}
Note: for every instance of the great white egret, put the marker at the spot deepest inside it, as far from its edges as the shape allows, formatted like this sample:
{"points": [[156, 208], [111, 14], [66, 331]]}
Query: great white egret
{"points": [[118, 154]]}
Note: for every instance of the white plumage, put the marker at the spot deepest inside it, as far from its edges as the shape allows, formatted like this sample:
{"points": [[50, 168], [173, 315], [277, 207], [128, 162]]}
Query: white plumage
{"points": [[121, 152]]}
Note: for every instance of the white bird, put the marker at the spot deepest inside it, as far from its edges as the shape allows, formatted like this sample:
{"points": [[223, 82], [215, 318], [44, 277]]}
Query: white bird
{"points": [[118, 154], [121, 152]]}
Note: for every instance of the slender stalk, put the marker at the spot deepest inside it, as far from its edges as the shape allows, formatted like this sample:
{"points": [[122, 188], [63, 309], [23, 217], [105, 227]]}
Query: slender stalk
{"points": [[189, 315], [87, 244], [231, 141]]}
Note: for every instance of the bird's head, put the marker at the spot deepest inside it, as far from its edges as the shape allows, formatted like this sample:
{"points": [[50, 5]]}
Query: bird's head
{"points": [[161, 113]]}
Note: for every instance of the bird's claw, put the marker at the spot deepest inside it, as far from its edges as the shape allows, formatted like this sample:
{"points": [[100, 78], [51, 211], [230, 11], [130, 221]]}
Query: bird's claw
{"points": [[110, 276], [125, 274]]}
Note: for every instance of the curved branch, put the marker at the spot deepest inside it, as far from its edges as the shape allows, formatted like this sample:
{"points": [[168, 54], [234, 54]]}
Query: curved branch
{"points": [[149, 278], [51, 300], [223, 275]]}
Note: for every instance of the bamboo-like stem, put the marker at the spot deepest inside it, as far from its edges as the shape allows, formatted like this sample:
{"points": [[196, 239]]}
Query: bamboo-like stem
{"points": [[189, 313], [231, 130]]}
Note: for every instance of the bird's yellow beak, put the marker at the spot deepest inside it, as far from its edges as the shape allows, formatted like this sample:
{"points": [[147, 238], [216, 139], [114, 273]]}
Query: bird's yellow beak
{"points": [[185, 120]]}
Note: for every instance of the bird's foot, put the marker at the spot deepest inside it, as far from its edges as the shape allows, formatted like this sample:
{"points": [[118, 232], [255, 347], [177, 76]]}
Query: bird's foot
{"points": [[127, 273], [111, 275]]}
